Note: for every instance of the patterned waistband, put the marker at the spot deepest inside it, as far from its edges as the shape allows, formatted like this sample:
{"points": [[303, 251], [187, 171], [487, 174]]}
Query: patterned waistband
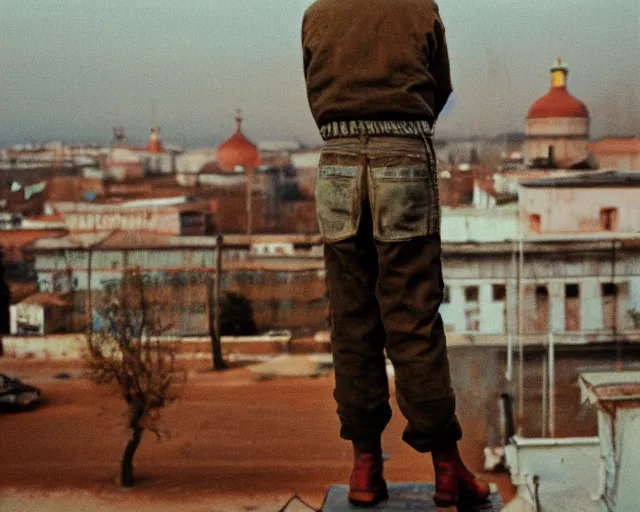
{"points": [[339, 129]]}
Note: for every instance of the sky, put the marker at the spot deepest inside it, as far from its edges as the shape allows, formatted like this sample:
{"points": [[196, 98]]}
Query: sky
{"points": [[73, 69]]}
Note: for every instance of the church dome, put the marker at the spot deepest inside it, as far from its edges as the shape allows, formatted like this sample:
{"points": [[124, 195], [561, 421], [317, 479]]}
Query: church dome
{"points": [[238, 151], [558, 102], [155, 144]]}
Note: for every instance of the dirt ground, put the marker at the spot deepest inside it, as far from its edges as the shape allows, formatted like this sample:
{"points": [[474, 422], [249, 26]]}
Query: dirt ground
{"points": [[235, 444]]}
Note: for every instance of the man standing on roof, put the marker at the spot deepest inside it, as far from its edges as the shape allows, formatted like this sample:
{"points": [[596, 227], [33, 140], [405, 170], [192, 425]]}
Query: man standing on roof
{"points": [[377, 77]]}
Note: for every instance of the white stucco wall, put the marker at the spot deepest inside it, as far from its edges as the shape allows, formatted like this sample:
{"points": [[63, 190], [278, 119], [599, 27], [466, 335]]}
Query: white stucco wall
{"points": [[572, 210], [475, 225]]}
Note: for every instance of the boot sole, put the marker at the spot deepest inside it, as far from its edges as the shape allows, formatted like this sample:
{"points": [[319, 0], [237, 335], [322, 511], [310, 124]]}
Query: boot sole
{"points": [[366, 499]]}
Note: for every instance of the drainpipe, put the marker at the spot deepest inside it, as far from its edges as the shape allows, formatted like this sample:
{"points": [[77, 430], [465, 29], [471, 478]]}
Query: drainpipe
{"points": [[615, 320], [536, 484], [521, 338], [545, 387], [506, 401], [552, 385], [509, 373]]}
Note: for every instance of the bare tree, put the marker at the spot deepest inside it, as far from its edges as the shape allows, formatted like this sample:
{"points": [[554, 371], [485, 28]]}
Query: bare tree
{"points": [[130, 352]]}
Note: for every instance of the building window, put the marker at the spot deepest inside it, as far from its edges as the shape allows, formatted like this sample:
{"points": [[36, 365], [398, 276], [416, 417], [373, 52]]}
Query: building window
{"points": [[471, 294], [572, 291], [572, 308], [534, 223], [499, 292], [609, 219], [542, 292], [610, 306], [541, 318], [446, 299]]}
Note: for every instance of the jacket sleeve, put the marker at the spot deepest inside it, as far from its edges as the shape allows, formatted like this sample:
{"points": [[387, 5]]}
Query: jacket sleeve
{"points": [[439, 66]]}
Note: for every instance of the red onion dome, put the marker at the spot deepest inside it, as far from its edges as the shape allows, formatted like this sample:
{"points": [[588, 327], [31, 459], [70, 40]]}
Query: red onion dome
{"points": [[238, 151], [558, 102]]}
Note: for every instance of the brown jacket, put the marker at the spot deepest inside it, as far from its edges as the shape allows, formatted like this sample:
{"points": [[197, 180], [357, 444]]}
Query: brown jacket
{"points": [[375, 60]]}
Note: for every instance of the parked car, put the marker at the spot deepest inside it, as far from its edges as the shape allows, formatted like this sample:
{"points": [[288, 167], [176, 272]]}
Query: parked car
{"points": [[16, 394]]}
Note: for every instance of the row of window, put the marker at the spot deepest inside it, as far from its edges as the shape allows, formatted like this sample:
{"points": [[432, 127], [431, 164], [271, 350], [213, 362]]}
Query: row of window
{"points": [[608, 220], [499, 292], [245, 277], [572, 291], [472, 293]]}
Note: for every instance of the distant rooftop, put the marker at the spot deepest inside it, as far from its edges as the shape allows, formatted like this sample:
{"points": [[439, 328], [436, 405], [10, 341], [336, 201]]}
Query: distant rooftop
{"points": [[606, 178], [46, 299], [615, 145], [121, 240]]}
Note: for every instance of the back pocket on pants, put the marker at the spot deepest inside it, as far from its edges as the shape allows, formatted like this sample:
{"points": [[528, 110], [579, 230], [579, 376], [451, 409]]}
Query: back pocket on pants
{"points": [[405, 202], [337, 199]]}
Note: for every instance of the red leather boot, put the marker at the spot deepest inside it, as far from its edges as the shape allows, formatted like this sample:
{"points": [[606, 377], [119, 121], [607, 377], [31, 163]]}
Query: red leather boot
{"points": [[455, 484], [366, 485]]}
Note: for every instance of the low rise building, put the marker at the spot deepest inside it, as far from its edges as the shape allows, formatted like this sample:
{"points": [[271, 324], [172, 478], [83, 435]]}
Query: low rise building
{"points": [[592, 202], [585, 289], [179, 215], [282, 276], [40, 314]]}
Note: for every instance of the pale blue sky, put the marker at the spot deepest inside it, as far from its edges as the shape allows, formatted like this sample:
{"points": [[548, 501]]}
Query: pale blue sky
{"points": [[72, 69]]}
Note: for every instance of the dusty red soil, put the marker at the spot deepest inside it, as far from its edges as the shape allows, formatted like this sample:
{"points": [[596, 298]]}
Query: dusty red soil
{"points": [[232, 439]]}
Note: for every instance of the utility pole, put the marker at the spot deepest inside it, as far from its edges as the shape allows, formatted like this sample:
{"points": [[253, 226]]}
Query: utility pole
{"points": [[213, 298], [89, 305]]}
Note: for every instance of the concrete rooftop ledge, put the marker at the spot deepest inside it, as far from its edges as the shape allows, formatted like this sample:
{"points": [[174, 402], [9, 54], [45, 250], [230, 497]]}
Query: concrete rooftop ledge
{"points": [[402, 497]]}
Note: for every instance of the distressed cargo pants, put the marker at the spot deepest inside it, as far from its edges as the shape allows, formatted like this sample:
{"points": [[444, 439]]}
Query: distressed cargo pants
{"points": [[379, 214]]}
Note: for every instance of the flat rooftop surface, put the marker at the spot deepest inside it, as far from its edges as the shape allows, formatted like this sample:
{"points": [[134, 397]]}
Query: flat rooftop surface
{"points": [[402, 497]]}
